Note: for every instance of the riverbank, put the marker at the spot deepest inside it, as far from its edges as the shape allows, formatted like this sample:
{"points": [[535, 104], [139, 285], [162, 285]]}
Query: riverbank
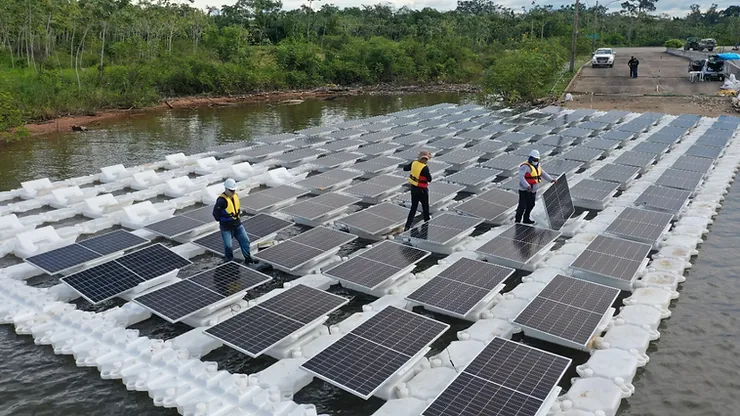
{"points": [[291, 97]]}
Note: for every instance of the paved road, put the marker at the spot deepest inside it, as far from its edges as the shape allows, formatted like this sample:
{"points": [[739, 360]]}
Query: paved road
{"points": [[658, 73]]}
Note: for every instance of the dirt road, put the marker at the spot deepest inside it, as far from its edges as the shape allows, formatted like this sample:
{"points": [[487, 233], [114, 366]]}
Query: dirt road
{"points": [[662, 85]]}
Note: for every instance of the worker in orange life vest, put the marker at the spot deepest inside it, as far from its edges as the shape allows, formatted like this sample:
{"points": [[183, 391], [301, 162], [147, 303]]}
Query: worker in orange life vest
{"points": [[530, 176], [419, 178]]}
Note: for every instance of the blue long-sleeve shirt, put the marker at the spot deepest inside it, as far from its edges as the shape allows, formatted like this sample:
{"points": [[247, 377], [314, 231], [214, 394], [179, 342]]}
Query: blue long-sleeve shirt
{"points": [[523, 185], [225, 220]]}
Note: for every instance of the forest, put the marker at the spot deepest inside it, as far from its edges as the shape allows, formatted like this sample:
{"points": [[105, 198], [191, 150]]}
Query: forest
{"points": [[61, 57]]}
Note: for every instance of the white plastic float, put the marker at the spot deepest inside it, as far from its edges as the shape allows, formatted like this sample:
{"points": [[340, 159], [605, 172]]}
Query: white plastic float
{"points": [[29, 243], [102, 205]]}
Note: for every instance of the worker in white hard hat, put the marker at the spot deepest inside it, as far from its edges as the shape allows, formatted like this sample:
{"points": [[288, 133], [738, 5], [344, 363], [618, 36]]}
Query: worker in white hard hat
{"points": [[227, 212], [419, 178], [530, 176]]}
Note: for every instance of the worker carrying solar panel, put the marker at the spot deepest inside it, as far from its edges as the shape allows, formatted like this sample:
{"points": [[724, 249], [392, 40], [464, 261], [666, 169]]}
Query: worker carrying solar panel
{"points": [[530, 176], [227, 213], [419, 178]]}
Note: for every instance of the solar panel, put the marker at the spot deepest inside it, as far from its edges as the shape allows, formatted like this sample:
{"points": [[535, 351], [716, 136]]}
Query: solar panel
{"points": [[685, 120], [439, 192], [505, 379], [558, 203], [113, 242], [593, 125], [299, 250], [557, 141], [153, 261], [613, 259], [302, 146], [346, 134], [638, 159], [473, 176], [618, 135], [569, 309], [576, 132], [489, 147], [412, 140], [328, 179], [450, 143], [489, 205], [378, 149], [257, 153], [443, 228], [63, 258], [378, 126], [704, 151], [317, 131], [601, 143], [582, 154], [654, 148], [612, 116], [461, 157], [461, 286], [518, 243], [712, 141], [188, 297], [663, 199], [377, 218], [342, 145], [364, 359], [279, 138], [175, 226], [592, 190], [315, 208], [661, 138], [103, 282], [406, 129], [264, 200], [258, 227], [505, 163], [640, 225], [373, 267], [335, 160], [373, 166], [440, 132], [261, 327], [536, 130], [693, 164], [558, 166], [680, 179], [616, 173], [634, 126], [376, 186], [413, 152], [515, 137], [482, 135]]}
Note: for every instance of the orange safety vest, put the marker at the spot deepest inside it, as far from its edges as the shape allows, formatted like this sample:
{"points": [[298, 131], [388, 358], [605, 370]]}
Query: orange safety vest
{"points": [[534, 176], [415, 177]]}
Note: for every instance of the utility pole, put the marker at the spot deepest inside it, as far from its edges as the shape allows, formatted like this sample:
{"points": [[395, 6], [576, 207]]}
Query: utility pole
{"points": [[596, 26], [574, 41]]}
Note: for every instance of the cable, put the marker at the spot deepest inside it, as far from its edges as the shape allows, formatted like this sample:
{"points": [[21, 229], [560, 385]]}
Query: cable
{"points": [[450, 355]]}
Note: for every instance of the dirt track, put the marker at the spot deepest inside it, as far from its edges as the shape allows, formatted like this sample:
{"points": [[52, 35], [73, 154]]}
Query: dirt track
{"points": [[662, 85]]}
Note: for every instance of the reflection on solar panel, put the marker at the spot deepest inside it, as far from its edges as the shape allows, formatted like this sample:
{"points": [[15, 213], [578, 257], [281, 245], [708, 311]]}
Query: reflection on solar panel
{"points": [[640, 225], [632, 158], [378, 164], [267, 324], [558, 203], [489, 205], [185, 298], [364, 359], [377, 219], [590, 190], [612, 260], [376, 186], [265, 200], [462, 286], [375, 266], [110, 279], [663, 199], [616, 173], [680, 179], [568, 309], [258, 227], [320, 206], [518, 243], [704, 151], [506, 378], [442, 229], [693, 164], [328, 179], [68, 257], [295, 252], [475, 176]]}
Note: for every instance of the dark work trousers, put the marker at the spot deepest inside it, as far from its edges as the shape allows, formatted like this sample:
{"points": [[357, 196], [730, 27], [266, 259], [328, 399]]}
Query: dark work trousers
{"points": [[418, 195], [526, 204]]}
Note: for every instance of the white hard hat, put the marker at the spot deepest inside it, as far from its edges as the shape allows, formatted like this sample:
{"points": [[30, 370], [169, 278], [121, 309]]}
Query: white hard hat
{"points": [[230, 184], [535, 154]]}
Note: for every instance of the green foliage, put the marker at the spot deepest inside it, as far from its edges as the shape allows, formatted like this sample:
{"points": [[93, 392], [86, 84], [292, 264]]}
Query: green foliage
{"points": [[673, 44]]}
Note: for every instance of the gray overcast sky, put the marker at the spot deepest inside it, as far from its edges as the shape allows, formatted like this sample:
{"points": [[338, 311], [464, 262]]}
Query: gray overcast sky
{"points": [[672, 7]]}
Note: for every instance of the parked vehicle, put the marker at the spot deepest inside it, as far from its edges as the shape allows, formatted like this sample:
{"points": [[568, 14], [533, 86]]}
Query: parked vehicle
{"points": [[712, 68], [695, 44], [603, 57]]}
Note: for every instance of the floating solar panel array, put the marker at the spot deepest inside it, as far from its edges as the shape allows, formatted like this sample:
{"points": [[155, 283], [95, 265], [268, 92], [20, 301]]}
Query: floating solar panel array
{"points": [[518, 245], [612, 261], [258, 227], [364, 359], [506, 378], [75, 255], [113, 278], [461, 287], [304, 250]]}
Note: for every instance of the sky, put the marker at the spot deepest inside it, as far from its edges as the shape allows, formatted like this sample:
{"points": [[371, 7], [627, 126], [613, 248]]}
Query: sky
{"points": [[671, 7]]}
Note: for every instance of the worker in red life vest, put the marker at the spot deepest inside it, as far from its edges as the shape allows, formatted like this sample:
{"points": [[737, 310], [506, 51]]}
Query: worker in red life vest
{"points": [[530, 176], [419, 178], [227, 211]]}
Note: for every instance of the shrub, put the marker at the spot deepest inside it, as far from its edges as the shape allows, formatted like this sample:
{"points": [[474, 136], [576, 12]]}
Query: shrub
{"points": [[673, 44]]}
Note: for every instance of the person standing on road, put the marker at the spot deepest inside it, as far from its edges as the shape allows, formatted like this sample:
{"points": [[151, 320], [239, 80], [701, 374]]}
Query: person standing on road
{"points": [[227, 213], [530, 176], [633, 63], [419, 178]]}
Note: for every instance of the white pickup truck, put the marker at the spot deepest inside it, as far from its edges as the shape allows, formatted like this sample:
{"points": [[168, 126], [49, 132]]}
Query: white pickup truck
{"points": [[603, 57]]}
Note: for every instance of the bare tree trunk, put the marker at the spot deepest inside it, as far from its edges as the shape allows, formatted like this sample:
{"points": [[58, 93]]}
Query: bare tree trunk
{"points": [[48, 35], [102, 50], [72, 48], [77, 59]]}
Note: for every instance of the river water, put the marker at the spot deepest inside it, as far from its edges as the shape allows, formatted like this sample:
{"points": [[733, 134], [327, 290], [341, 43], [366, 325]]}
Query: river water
{"points": [[694, 368]]}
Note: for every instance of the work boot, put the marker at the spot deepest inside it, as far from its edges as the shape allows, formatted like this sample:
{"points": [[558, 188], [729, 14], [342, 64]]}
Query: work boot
{"points": [[250, 260], [529, 222]]}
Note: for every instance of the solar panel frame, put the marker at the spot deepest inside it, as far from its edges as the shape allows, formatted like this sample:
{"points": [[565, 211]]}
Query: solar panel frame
{"points": [[616, 173], [704, 151], [109, 279], [638, 159], [593, 190], [655, 148], [489, 205], [153, 261], [640, 225], [383, 215], [582, 154], [174, 226], [113, 242], [443, 228], [388, 340], [314, 208], [62, 259], [602, 257], [680, 179], [519, 243], [663, 199], [693, 164]]}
